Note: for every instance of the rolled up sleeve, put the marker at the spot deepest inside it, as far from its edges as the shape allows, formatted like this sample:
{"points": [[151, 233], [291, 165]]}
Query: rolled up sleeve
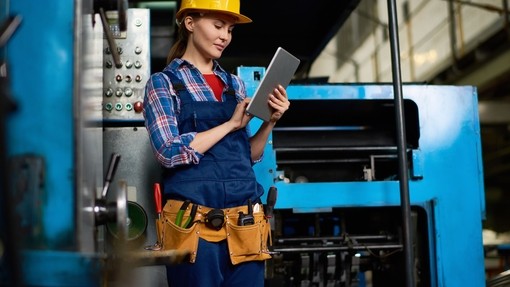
{"points": [[160, 108]]}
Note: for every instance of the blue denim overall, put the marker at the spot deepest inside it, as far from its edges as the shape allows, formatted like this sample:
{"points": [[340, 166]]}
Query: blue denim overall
{"points": [[223, 178]]}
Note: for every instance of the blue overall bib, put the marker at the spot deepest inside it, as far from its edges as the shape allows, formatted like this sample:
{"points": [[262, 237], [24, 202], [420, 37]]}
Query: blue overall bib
{"points": [[223, 178]]}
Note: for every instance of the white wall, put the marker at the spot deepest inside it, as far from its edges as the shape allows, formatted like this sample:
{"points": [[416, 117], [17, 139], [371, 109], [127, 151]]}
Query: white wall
{"points": [[424, 42]]}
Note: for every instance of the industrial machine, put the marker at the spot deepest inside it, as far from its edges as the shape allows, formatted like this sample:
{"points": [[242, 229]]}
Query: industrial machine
{"points": [[78, 173], [333, 160], [78, 201]]}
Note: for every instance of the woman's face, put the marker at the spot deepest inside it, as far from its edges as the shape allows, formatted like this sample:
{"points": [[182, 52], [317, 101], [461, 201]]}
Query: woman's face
{"points": [[211, 34]]}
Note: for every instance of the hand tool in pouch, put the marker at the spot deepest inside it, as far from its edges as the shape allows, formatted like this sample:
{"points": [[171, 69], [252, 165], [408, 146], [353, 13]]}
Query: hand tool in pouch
{"points": [[270, 202], [180, 213], [159, 208], [189, 221], [269, 213], [246, 219], [158, 200]]}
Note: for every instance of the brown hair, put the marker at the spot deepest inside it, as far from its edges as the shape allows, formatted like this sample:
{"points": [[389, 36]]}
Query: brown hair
{"points": [[179, 47]]}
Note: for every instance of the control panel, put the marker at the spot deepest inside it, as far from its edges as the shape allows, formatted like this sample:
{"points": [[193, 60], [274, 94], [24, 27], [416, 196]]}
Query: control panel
{"points": [[124, 80]]}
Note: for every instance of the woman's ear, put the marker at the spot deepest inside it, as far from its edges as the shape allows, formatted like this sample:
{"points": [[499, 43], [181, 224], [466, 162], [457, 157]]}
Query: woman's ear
{"points": [[188, 23]]}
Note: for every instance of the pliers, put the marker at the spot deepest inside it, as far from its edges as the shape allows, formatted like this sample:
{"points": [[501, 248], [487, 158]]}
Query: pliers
{"points": [[180, 214], [192, 214]]}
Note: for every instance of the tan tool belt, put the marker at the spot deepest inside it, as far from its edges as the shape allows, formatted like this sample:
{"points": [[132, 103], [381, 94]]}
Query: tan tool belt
{"points": [[245, 243]]}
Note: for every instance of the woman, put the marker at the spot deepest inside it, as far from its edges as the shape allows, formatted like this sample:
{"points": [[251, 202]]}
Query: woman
{"points": [[195, 113]]}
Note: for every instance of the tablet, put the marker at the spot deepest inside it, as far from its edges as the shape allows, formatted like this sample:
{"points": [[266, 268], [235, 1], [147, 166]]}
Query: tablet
{"points": [[280, 71]]}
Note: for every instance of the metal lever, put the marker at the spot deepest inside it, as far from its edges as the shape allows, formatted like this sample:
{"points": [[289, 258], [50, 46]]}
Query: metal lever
{"points": [[109, 211], [122, 6], [112, 167], [8, 28], [109, 38]]}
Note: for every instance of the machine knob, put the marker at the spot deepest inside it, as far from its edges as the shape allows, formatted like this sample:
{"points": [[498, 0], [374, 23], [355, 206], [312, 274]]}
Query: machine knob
{"points": [[108, 107], [138, 107], [108, 92]]}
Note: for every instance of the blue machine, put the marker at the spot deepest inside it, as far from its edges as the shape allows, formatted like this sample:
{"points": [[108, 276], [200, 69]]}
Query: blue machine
{"points": [[69, 223], [333, 160], [44, 152]]}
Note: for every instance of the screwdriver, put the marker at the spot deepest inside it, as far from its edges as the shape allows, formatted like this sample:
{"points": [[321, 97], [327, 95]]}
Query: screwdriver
{"points": [[270, 202], [159, 208], [157, 199]]}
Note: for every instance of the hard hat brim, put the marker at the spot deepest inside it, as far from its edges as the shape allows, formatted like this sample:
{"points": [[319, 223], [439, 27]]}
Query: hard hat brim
{"points": [[240, 19]]}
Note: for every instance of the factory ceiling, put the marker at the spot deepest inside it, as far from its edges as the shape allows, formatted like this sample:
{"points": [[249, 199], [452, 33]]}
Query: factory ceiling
{"points": [[302, 27]]}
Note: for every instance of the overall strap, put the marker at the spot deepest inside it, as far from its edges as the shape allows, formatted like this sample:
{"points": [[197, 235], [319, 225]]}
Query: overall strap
{"points": [[230, 91], [178, 85]]}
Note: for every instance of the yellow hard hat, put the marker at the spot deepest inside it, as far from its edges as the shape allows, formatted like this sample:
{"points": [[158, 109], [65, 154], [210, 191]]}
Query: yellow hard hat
{"points": [[230, 7]]}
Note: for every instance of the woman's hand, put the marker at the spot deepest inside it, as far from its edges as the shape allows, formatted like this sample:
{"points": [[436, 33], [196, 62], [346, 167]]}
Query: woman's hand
{"points": [[240, 118], [279, 103]]}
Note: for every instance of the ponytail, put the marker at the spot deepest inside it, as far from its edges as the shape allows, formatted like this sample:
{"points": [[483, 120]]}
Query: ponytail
{"points": [[179, 47]]}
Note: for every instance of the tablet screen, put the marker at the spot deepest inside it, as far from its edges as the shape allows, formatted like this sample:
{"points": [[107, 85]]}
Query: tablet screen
{"points": [[280, 71]]}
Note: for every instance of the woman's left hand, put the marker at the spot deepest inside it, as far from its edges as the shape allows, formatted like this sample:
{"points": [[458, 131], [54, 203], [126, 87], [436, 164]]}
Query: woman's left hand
{"points": [[279, 103], [240, 118]]}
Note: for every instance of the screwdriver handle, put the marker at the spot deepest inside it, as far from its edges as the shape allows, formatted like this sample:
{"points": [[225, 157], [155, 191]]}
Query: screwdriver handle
{"points": [[250, 207], [157, 198], [271, 201]]}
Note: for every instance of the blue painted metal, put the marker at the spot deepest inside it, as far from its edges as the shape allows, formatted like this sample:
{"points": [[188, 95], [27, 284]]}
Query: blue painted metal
{"points": [[40, 55], [61, 268], [41, 62], [447, 176]]}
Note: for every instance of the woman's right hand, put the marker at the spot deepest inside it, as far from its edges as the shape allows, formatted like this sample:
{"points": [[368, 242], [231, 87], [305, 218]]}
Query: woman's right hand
{"points": [[240, 118]]}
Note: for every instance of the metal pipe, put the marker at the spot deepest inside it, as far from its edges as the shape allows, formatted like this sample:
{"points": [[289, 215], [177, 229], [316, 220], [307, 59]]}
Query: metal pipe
{"points": [[334, 238], [401, 143], [453, 36], [9, 235], [333, 248], [110, 39], [506, 13]]}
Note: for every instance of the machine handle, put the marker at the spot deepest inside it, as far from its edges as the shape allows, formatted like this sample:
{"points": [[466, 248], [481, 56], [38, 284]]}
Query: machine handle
{"points": [[112, 167], [8, 28], [122, 6], [110, 40]]}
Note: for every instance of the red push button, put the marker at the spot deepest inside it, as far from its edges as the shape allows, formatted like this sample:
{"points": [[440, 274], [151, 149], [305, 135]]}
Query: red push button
{"points": [[138, 107]]}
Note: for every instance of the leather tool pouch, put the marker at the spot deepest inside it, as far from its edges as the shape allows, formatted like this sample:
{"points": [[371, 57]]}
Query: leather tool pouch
{"points": [[175, 237], [245, 243], [249, 242]]}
